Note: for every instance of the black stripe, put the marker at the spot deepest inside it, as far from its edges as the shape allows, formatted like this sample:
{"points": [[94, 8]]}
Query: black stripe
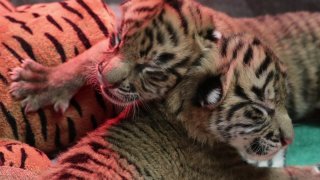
{"points": [[76, 106], [70, 9], [239, 91], [3, 79], [149, 34], [146, 8], [177, 5], [248, 56], [35, 15], [224, 47], [29, 134], [183, 63], [100, 100], [258, 92], [2, 159], [256, 41], [80, 168], [270, 76], [10, 119], [57, 138], [54, 22], [43, 122], [83, 38], [23, 158], [235, 108], [5, 6], [25, 46], [165, 57], [264, 65], [9, 147], [80, 158], [76, 51], [94, 121], [58, 46], [96, 18], [236, 50], [160, 37], [13, 52], [71, 130], [69, 176], [172, 33], [22, 24]]}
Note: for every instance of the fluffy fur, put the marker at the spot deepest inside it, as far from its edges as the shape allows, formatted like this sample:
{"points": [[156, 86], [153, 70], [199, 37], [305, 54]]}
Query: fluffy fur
{"points": [[164, 41]]}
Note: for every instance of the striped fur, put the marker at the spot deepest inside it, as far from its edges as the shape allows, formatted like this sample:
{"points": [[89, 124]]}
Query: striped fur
{"points": [[246, 68], [43, 34], [19, 155], [155, 146], [6, 7], [188, 48]]}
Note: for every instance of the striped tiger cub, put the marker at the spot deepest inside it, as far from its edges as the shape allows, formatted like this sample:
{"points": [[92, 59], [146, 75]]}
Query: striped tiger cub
{"points": [[51, 34], [162, 40], [206, 105]]}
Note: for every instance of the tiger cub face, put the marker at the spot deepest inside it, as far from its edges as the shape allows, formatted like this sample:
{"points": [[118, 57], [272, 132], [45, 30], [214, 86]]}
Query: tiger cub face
{"points": [[239, 98], [156, 50]]}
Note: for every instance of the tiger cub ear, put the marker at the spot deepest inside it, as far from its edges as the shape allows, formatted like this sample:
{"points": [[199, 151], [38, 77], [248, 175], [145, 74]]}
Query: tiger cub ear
{"points": [[209, 92]]}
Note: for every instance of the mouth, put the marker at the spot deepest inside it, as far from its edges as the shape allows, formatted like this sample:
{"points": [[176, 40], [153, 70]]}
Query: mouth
{"points": [[260, 157], [117, 97]]}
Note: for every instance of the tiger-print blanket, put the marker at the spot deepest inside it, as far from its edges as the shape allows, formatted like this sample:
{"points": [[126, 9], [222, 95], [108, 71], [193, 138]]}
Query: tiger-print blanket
{"points": [[51, 34], [6, 7]]}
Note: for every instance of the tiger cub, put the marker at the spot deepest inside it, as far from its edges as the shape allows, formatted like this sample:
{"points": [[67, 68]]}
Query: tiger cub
{"points": [[161, 42], [208, 104], [158, 41]]}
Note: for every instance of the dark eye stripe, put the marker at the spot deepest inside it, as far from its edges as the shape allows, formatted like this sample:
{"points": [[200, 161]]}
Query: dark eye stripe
{"points": [[165, 57], [235, 108]]}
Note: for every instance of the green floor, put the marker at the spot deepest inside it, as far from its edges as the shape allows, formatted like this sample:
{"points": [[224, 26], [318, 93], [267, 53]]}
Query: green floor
{"points": [[305, 149]]}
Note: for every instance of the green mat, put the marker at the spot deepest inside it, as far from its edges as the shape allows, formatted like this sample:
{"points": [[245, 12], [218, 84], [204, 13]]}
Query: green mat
{"points": [[305, 149]]}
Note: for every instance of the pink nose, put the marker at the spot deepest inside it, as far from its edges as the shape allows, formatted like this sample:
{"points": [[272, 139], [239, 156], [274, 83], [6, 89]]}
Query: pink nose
{"points": [[286, 141]]}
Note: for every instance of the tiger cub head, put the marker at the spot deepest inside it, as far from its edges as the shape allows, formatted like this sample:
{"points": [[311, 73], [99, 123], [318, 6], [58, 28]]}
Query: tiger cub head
{"points": [[237, 98], [157, 47]]}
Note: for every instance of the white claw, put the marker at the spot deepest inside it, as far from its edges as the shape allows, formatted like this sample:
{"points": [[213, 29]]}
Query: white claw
{"points": [[61, 106]]}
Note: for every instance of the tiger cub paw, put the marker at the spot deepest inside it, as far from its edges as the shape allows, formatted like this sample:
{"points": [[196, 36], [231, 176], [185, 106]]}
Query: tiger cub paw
{"points": [[38, 86]]}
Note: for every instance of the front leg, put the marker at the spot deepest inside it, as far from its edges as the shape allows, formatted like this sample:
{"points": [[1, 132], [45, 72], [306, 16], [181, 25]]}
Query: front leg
{"points": [[38, 86]]}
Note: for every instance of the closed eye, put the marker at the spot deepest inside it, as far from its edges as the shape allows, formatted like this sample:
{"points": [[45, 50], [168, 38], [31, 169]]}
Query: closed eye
{"points": [[164, 58]]}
